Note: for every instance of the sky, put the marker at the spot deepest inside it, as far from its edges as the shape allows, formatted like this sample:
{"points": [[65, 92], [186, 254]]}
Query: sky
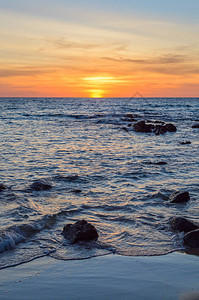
{"points": [[106, 48]]}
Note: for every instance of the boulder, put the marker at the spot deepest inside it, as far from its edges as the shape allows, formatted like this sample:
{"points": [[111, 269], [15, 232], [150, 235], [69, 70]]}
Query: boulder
{"points": [[179, 197], [157, 127], [182, 224], [195, 126], [141, 126], [191, 239], [185, 143], [40, 185], [170, 127], [80, 231], [2, 187]]}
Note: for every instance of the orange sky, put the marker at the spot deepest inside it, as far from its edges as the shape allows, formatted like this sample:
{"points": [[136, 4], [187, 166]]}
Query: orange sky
{"points": [[61, 50]]}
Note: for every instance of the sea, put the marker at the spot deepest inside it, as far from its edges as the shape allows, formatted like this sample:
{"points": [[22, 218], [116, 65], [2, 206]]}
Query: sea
{"points": [[99, 170]]}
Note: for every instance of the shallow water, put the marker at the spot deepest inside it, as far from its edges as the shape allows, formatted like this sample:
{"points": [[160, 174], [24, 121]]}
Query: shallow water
{"points": [[99, 172]]}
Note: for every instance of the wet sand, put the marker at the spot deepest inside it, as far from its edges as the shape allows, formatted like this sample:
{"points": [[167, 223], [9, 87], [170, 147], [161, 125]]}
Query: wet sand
{"points": [[171, 276]]}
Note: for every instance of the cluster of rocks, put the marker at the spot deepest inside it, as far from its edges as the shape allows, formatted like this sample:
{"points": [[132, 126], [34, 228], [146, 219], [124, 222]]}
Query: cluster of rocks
{"points": [[84, 231], [148, 126], [191, 230], [156, 127]]}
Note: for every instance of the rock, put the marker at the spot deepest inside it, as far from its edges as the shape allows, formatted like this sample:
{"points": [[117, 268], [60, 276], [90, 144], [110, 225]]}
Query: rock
{"points": [[179, 197], [191, 239], [80, 231], [182, 224], [160, 163], [76, 191], [195, 126], [141, 126], [2, 187], [160, 129], [157, 127], [125, 129], [185, 143], [40, 185], [129, 118], [170, 127]]}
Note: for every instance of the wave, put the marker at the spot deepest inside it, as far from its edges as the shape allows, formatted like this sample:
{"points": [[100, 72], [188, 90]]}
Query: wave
{"points": [[13, 235]]}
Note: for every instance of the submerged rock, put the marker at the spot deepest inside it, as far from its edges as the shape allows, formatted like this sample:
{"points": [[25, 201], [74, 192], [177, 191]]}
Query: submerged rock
{"points": [[76, 191], [160, 163], [179, 197], [40, 185], [129, 117], [2, 187], [80, 231], [185, 143], [195, 126], [125, 129], [182, 224], [191, 239], [157, 127]]}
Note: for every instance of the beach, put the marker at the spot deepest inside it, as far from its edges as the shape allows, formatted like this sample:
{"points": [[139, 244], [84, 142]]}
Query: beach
{"points": [[171, 276]]}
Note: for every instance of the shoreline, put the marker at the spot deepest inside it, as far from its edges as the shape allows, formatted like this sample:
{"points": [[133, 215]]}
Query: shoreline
{"points": [[171, 276]]}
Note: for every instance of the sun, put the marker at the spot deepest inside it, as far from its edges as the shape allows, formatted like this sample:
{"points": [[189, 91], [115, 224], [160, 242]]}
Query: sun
{"points": [[96, 93], [97, 86]]}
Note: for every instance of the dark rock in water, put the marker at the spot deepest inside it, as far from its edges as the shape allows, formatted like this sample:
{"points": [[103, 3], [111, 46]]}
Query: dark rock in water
{"points": [[76, 191], [182, 224], [179, 197], [124, 128], [185, 143], [170, 127], [191, 239], [141, 126], [195, 126], [157, 127], [40, 185], [160, 163], [2, 187], [80, 231], [129, 118]]}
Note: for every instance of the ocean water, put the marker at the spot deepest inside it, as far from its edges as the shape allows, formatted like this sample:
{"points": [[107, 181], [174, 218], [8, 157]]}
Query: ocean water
{"points": [[98, 171]]}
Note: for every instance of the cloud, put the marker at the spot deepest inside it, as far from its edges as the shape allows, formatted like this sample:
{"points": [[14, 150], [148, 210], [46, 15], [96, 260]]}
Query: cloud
{"points": [[169, 63], [6, 72], [168, 58], [62, 43]]}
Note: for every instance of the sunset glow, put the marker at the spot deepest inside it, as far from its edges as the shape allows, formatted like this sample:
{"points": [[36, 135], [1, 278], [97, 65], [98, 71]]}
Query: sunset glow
{"points": [[98, 49]]}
